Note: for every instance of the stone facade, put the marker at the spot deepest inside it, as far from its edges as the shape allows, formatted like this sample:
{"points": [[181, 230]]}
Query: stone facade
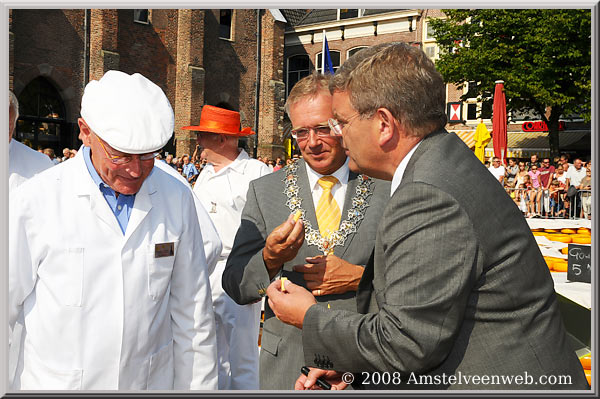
{"points": [[179, 50]]}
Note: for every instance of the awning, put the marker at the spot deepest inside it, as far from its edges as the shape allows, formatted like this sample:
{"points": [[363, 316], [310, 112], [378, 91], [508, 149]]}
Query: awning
{"points": [[525, 144], [468, 136]]}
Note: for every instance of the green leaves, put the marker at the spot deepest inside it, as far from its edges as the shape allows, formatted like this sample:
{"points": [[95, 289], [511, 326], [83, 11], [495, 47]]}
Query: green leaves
{"points": [[543, 55]]}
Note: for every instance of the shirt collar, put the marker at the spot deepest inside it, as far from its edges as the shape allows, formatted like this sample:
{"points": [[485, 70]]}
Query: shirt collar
{"points": [[236, 165], [95, 176], [397, 179], [90, 167], [342, 174]]}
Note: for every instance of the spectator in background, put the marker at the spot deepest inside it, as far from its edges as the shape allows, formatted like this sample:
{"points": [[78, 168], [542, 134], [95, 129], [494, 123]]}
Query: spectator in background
{"points": [[511, 172], [72, 153], [574, 176], [50, 153], [586, 195], [288, 161], [278, 164], [271, 165], [534, 161], [546, 173], [556, 201], [536, 186], [189, 170], [497, 170], [520, 176], [66, 154], [564, 160]]}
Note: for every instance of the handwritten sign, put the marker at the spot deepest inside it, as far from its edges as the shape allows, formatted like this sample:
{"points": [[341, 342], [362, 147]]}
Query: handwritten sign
{"points": [[580, 265]]}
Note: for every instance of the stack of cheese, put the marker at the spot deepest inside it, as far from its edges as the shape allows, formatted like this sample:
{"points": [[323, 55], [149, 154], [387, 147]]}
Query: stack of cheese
{"points": [[564, 236], [586, 363]]}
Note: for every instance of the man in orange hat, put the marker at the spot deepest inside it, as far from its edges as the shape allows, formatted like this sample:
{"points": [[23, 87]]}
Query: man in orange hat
{"points": [[221, 188]]}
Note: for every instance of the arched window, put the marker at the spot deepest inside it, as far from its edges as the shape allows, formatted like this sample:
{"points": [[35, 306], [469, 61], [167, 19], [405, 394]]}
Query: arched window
{"points": [[355, 50], [298, 66], [335, 60], [42, 119]]}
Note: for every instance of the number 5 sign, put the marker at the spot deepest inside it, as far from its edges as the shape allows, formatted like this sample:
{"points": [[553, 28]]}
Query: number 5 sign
{"points": [[580, 263]]}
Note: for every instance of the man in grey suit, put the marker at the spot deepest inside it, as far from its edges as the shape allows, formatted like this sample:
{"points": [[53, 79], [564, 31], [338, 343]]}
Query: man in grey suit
{"points": [[458, 295], [269, 243]]}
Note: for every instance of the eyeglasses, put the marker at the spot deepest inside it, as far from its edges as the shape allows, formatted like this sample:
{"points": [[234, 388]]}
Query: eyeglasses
{"points": [[302, 133], [337, 126], [123, 159]]}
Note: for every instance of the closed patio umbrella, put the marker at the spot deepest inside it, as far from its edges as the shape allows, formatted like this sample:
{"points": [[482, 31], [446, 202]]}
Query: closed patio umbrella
{"points": [[499, 122]]}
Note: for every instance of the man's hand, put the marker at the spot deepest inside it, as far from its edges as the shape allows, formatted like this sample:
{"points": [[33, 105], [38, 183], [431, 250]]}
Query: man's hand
{"points": [[333, 377], [289, 306], [282, 244], [326, 275]]}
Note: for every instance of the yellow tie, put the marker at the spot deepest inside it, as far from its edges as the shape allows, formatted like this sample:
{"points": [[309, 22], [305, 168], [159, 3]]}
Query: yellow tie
{"points": [[328, 211]]}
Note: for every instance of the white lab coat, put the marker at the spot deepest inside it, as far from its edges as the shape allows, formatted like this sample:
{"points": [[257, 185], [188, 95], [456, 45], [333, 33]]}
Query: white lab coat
{"points": [[24, 163], [101, 311], [223, 194], [210, 237]]}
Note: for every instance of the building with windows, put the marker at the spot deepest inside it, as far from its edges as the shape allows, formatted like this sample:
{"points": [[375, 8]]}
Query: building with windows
{"points": [[196, 56], [247, 58], [349, 30]]}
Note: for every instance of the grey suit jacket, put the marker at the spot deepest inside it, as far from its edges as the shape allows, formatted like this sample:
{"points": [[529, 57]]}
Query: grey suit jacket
{"points": [[245, 277], [457, 287]]}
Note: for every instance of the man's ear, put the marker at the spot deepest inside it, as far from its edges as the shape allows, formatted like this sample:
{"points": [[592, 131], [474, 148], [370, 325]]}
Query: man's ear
{"points": [[85, 134], [387, 127]]}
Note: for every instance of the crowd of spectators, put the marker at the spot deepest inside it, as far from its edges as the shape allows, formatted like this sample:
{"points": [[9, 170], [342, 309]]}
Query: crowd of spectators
{"points": [[548, 188], [191, 166]]}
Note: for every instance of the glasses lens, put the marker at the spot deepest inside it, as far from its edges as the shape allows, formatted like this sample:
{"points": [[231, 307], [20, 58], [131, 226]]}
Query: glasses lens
{"points": [[300, 134], [323, 131], [335, 127], [149, 156]]}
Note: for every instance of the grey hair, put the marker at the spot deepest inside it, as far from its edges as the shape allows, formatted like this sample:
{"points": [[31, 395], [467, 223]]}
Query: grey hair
{"points": [[310, 86], [14, 105], [398, 77]]}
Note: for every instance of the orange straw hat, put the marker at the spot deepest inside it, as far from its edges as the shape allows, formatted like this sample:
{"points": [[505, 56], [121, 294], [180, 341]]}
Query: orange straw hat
{"points": [[221, 121]]}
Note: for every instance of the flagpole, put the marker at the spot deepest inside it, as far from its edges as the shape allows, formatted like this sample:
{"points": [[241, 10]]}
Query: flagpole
{"points": [[323, 55]]}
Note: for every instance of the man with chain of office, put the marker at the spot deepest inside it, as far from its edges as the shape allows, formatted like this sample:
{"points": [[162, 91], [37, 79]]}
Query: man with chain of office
{"points": [[312, 222]]}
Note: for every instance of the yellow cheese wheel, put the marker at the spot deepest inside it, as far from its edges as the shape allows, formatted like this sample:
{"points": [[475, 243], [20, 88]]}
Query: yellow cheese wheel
{"points": [[539, 233], [560, 266], [581, 239], [584, 231], [588, 376], [568, 231], [565, 239], [586, 362], [565, 250], [551, 230]]}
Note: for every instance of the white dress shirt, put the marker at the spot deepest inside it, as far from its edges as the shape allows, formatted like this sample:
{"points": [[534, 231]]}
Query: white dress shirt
{"points": [[399, 173]]}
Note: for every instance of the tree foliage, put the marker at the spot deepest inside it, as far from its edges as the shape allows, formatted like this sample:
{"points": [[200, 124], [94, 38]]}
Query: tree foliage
{"points": [[543, 56]]}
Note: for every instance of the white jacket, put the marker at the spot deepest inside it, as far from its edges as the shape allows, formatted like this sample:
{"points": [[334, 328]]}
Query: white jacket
{"points": [[210, 237], [24, 163], [101, 311]]}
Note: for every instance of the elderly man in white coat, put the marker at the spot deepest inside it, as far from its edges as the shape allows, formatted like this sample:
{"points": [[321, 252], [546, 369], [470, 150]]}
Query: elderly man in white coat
{"points": [[222, 188], [119, 298], [23, 164]]}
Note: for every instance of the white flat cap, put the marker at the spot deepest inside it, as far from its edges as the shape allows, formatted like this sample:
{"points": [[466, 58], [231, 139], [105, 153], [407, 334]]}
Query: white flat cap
{"points": [[129, 112]]}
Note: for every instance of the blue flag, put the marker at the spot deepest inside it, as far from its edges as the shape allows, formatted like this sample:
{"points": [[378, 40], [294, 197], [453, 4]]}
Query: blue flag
{"points": [[327, 65]]}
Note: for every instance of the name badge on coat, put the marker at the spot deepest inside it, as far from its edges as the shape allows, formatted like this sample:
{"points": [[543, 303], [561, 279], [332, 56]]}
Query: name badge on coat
{"points": [[163, 250]]}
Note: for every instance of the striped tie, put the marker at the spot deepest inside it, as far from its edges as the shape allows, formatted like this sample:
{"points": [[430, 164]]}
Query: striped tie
{"points": [[328, 211]]}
